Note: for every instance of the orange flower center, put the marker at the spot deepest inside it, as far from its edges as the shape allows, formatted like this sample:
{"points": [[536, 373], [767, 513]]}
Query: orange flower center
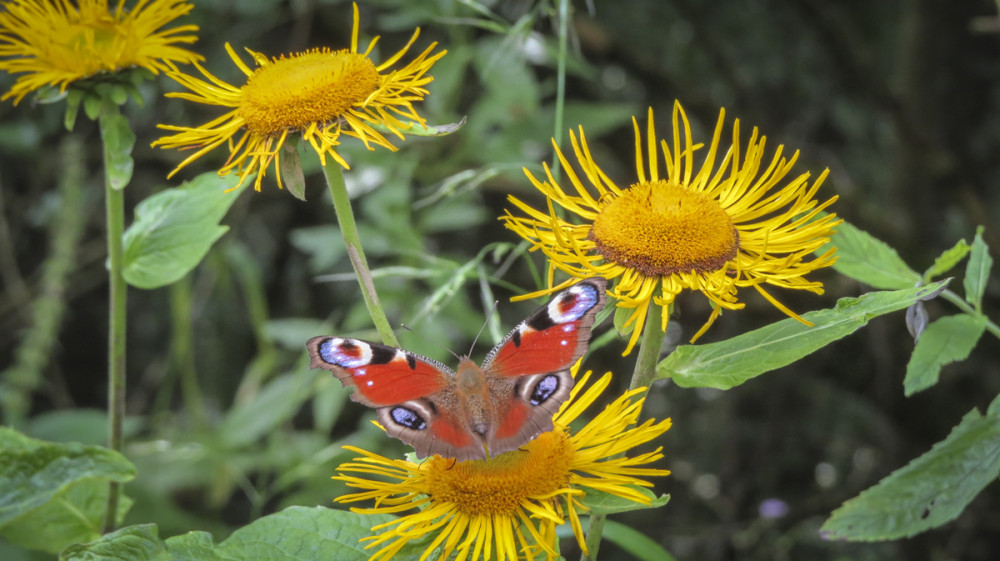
{"points": [[313, 87], [501, 484], [663, 228]]}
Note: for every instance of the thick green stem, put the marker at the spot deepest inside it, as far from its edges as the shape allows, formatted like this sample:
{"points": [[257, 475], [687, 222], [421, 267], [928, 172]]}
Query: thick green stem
{"points": [[115, 201], [345, 216], [649, 349], [594, 531], [642, 376]]}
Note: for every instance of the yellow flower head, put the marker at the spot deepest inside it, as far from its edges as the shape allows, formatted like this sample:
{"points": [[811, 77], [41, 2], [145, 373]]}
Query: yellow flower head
{"points": [[711, 229], [319, 93], [54, 43], [508, 506]]}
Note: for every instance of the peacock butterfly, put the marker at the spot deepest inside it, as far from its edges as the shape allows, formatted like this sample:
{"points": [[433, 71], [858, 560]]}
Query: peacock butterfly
{"points": [[476, 411]]}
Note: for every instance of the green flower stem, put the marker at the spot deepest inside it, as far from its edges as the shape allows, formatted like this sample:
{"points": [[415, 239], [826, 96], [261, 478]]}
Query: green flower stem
{"points": [[564, 7], [594, 531], [345, 216], [649, 349], [115, 201], [645, 371], [961, 304]]}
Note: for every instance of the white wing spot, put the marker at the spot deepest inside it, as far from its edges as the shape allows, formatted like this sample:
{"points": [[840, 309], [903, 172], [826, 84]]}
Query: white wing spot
{"points": [[369, 383]]}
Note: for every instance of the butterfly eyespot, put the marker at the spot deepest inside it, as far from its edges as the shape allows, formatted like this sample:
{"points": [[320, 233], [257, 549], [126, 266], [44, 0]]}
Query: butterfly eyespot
{"points": [[407, 418], [544, 389]]}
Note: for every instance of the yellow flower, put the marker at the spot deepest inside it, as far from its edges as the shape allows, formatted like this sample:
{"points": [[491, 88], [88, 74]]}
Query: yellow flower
{"points": [[319, 93], [711, 229], [508, 506], [54, 43]]}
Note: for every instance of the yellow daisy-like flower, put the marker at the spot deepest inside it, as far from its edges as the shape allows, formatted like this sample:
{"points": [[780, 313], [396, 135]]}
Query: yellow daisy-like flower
{"points": [[54, 43], [713, 229], [508, 506], [320, 93]]}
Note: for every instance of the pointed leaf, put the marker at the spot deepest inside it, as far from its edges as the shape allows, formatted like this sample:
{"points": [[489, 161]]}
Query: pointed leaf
{"points": [[276, 403], [600, 502], [930, 490], [635, 543], [729, 363], [32, 472], [977, 272], [52, 495], [946, 340], [863, 257], [131, 543], [175, 228], [947, 260], [118, 140], [294, 534], [291, 173]]}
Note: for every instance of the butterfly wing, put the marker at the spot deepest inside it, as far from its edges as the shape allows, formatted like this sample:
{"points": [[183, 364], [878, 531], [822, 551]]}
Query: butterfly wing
{"points": [[414, 396], [528, 371]]}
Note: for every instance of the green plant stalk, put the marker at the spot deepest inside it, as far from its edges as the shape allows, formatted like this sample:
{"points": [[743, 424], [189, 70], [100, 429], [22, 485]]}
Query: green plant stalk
{"points": [[115, 205], [649, 349], [643, 374], [560, 84], [25, 375], [961, 304], [348, 228], [182, 350]]}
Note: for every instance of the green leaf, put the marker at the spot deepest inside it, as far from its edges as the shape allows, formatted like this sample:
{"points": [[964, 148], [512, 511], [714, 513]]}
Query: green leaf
{"points": [[947, 260], [869, 260], [294, 534], [73, 516], [729, 363], [600, 502], [118, 140], [73, 99], [927, 492], [946, 340], [276, 403], [635, 543], [131, 543], [175, 228], [977, 272], [55, 488]]}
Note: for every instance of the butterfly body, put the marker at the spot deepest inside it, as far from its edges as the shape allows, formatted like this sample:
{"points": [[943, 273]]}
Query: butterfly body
{"points": [[474, 411]]}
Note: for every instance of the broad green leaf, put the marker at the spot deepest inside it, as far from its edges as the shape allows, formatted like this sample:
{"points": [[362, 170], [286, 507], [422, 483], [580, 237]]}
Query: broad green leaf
{"points": [[947, 260], [175, 228], [33, 472], [118, 140], [869, 260], [929, 491], [600, 502], [294, 534], [276, 403], [51, 494], [131, 543], [635, 543], [729, 363], [946, 340], [75, 515], [977, 272]]}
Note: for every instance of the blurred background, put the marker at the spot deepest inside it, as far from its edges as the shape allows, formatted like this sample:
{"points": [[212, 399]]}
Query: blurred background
{"points": [[900, 99]]}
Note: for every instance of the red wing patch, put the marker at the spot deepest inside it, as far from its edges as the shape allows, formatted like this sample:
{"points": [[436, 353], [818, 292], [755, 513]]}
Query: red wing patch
{"points": [[383, 375]]}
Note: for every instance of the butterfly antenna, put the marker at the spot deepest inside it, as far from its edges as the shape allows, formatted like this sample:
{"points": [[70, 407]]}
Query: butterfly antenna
{"points": [[485, 323], [435, 343]]}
